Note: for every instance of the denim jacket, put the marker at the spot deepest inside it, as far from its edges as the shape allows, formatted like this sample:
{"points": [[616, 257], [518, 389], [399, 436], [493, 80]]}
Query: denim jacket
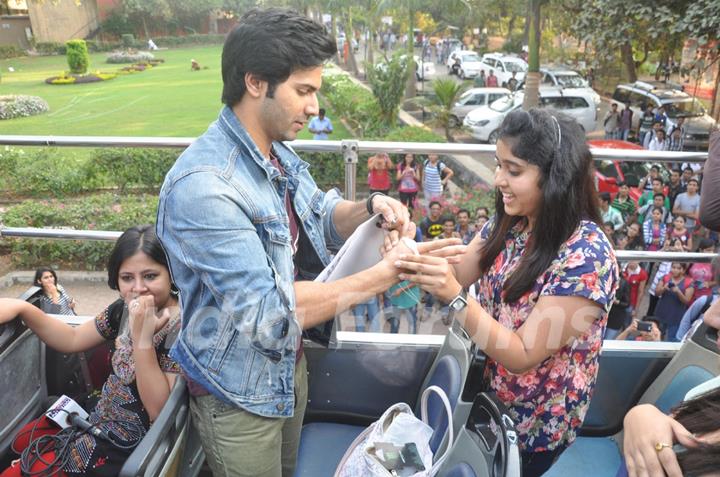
{"points": [[225, 229]]}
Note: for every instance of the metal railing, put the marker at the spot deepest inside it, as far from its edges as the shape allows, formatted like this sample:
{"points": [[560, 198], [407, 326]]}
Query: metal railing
{"points": [[350, 149]]}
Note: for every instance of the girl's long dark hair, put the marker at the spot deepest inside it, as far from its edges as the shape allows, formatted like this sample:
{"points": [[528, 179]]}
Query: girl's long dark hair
{"points": [[413, 163], [556, 144], [700, 416]]}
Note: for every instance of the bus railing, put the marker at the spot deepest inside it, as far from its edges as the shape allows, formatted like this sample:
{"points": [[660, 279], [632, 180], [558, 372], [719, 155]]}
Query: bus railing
{"points": [[349, 149]]}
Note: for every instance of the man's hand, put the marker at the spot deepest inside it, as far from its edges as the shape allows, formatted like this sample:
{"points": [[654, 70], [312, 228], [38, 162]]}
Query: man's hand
{"points": [[395, 218]]}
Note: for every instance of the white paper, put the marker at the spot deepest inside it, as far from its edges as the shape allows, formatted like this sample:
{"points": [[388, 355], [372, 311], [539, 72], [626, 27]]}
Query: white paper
{"points": [[360, 252], [62, 408]]}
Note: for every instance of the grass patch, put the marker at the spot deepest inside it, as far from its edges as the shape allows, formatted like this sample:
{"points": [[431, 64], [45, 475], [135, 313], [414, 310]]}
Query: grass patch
{"points": [[170, 100]]}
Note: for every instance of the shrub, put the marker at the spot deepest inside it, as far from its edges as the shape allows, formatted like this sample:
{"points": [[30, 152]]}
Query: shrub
{"points": [[129, 57], [17, 106], [133, 166], [128, 40], [100, 212], [10, 51], [77, 56], [50, 48], [412, 134], [354, 103]]}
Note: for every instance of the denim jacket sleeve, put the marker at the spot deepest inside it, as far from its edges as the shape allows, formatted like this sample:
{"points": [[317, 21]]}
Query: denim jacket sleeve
{"points": [[219, 244], [333, 240]]}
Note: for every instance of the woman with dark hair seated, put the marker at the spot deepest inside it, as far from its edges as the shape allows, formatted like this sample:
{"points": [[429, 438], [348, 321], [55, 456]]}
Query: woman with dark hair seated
{"points": [[685, 443], [545, 275], [143, 324], [53, 299]]}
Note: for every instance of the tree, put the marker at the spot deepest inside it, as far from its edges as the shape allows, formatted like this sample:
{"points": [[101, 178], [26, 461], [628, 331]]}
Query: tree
{"points": [[630, 29], [387, 81], [700, 22], [447, 92], [532, 77]]}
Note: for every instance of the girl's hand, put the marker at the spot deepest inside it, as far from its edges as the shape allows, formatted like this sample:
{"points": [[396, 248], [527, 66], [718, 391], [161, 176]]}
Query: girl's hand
{"points": [[647, 445], [432, 273], [144, 322]]}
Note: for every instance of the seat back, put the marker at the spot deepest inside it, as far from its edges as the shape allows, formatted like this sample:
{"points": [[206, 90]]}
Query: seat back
{"points": [[166, 450], [449, 372]]}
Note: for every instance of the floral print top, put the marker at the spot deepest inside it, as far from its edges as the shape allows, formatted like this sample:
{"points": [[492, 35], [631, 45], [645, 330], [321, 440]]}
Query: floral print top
{"points": [[548, 403]]}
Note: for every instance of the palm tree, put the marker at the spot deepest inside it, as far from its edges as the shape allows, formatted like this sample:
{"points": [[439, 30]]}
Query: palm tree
{"points": [[447, 92]]}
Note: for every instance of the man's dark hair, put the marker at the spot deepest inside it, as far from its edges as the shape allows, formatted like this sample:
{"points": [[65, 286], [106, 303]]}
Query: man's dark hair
{"points": [[688, 168], [321, 112], [449, 218], [271, 43], [433, 203], [463, 210], [659, 194], [605, 196], [621, 184], [658, 179], [654, 167]]}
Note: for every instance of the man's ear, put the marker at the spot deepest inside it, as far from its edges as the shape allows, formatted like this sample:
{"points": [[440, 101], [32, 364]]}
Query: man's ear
{"points": [[255, 86]]}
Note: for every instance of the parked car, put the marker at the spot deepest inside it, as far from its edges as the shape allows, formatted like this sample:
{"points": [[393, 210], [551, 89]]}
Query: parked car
{"points": [[423, 69], [485, 121], [503, 66], [566, 79], [676, 103], [469, 63], [609, 173], [473, 99]]}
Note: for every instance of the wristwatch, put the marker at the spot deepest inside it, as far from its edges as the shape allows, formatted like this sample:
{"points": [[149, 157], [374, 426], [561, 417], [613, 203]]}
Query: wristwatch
{"points": [[368, 203], [459, 303]]}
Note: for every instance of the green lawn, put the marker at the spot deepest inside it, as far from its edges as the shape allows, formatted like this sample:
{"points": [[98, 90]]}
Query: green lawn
{"points": [[169, 100]]}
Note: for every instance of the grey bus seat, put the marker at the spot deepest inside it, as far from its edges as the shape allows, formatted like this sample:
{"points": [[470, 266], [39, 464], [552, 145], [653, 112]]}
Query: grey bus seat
{"points": [[22, 363], [163, 450], [601, 456], [322, 444]]}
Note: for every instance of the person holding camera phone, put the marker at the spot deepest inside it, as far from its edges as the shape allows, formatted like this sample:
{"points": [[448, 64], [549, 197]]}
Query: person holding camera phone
{"points": [[646, 330], [675, 291]]}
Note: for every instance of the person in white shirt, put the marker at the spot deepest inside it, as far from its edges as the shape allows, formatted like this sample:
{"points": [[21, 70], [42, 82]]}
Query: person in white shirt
{"points": [[320, 126], [659, 142]]}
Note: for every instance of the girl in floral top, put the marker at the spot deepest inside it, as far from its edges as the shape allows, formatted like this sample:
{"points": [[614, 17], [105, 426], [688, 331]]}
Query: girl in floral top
{"points": [[546, 277], [143, 324]]}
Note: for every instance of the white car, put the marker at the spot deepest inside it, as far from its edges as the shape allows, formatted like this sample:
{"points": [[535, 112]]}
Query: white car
{"points": [[473, 99], [503, 67], [567, 80], [484, 122], [423, 69], [470, 64]]}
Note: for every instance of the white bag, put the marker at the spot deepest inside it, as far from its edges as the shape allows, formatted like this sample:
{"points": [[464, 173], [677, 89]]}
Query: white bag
{"points": [[398, 426]]}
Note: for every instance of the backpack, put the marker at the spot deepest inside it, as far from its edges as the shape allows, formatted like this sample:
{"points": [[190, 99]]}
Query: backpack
{"points": [[441, 168]]}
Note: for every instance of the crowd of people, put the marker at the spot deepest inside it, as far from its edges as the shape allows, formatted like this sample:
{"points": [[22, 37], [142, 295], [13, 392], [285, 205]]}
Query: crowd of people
{"points": [[655, 132]]}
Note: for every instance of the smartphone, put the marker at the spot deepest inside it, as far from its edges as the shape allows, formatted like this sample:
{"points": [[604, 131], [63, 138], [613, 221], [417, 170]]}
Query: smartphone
{"points": [[671, 284], [645, 326]]}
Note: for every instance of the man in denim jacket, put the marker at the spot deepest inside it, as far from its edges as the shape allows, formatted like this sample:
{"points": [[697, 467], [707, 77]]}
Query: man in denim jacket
{"points": [[245, 228]]}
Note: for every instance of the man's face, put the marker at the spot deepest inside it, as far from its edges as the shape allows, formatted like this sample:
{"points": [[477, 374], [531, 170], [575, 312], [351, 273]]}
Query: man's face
{"points": [[674, 177], [624, 190], [294, 101], [658, 201], [692, 187], [448, 228], [463, 219], [657, 187], [687, 174], [435, 211]]}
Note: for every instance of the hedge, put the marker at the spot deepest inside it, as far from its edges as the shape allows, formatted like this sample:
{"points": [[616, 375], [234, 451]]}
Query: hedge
{"points": [[77, 56], [100, 212]]}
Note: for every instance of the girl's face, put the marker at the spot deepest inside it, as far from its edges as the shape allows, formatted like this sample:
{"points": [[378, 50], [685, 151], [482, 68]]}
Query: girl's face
{"points": [[679, 222], [408, 159], [517, 180], [656, 215], [47, 279], [633, 230], [140, 275], [677, 270]]}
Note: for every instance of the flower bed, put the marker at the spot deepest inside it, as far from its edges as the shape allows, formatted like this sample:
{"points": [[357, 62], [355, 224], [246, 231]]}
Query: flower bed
{"points": [[67, 78], [18, 106], [129, 57]]}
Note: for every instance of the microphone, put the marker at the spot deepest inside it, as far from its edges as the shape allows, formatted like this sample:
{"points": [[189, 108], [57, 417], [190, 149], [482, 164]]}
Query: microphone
{"points": [[75, 420]]}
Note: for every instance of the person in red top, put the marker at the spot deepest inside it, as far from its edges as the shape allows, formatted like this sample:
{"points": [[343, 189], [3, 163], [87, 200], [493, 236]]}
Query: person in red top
{"points": [[379, 167], [492, 80], [636, 278]]}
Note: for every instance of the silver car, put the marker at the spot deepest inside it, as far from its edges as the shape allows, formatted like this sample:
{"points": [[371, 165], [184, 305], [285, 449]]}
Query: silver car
{"points": [[473, 99]]}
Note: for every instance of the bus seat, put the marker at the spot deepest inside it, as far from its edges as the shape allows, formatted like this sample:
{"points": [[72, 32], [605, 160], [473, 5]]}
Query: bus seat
{"points": [[162, 450], [323, 444], [22, 363], [601, 456], [461, 470]]}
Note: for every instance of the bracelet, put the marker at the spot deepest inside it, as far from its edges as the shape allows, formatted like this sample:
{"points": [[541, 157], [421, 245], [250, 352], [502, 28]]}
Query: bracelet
{"points": [[368, 203]]}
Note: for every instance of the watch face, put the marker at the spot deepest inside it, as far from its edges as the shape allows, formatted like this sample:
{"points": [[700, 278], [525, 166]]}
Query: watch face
{"points": [[458, 304]]}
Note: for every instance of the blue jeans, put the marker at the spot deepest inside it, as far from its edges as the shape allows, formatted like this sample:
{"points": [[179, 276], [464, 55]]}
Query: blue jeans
{"points": [[624, 134], [371, 310], [394, 314]]}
